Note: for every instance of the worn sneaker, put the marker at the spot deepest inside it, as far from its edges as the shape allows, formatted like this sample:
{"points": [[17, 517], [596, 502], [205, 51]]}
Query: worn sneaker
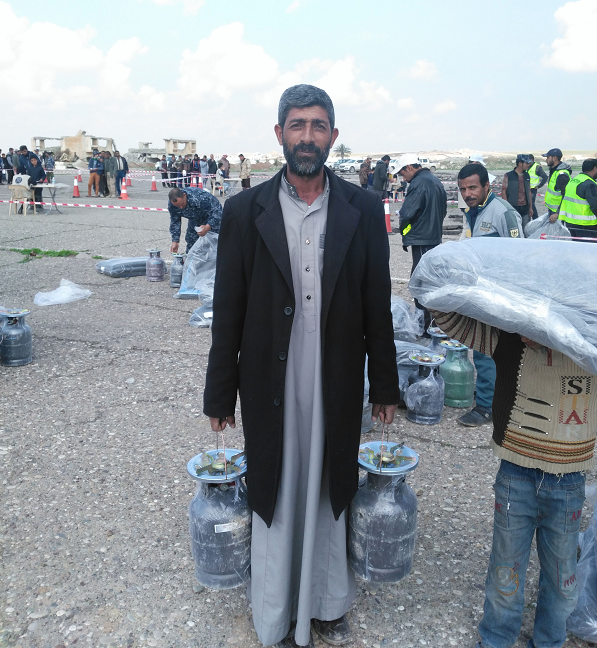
{"points": [[334, 633], [476, 417]]}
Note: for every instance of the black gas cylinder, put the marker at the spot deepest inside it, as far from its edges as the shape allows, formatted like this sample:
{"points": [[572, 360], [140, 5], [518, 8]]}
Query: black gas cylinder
{"points": [[383, 515], [220, 519], [15, 338]]}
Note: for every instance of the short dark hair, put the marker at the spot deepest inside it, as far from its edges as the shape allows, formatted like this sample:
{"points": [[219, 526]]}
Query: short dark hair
{"points": [[531, 156], [23, 148], [303, 96], [175, 194], [589, 165], [386, 158], [469, 170]]}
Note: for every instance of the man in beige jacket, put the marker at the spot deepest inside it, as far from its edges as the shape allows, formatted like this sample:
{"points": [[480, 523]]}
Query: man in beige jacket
{"points": [[245, 172]]}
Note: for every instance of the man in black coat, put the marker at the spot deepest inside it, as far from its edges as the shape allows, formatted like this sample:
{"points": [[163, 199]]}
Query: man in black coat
{"points": [[422, 214], [269, 295]]}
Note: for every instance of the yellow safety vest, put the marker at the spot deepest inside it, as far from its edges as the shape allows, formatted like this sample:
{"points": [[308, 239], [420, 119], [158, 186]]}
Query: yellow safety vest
{"points": [[553, 198], [535, 179], [574, 209]]}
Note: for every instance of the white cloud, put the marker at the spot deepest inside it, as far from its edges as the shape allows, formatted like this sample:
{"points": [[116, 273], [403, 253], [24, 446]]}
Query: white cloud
{"points": [[444, 106], [408, 103], [575, 51], [189, 7], [293, 6], [422, 69], [216, 66]]}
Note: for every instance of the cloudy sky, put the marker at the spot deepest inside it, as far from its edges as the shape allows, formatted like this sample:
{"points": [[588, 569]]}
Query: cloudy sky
{"points": [[423, 75]]}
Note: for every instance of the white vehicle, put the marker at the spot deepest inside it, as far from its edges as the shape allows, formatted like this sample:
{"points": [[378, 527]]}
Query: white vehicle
{"points": [[351, 166]]}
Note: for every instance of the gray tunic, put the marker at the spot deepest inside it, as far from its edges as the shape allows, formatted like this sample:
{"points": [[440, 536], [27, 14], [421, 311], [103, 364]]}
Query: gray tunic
{"points": [[299, 568]]}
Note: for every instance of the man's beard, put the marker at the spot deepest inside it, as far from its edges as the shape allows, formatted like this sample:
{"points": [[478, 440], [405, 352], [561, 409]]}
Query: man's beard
{"points": [[305, 167]]}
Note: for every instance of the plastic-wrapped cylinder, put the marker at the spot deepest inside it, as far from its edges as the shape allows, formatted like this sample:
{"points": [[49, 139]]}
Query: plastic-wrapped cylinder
{"points": [[123, 267], [383, 526], [405, 365], [220, 528], [15, 339], [425, 394], [176, 270], [155, 266], [458, 374], [437, 336]]}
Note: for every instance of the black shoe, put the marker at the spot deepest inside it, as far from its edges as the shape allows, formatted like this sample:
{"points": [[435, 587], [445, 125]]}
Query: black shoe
{"points": [[289, 642], [476, 417], [334, 633]]}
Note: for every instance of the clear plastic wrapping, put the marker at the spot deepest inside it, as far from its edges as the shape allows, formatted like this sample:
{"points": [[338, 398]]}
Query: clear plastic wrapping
{"points": [[407, 321], [583, 620], [425, 400], [405, 365], [67, 292], [543, 290], [541, 225], [199, 272]]}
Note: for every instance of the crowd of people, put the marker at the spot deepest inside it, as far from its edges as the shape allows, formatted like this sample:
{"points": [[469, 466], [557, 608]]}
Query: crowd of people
{"points": [[188, 171]]}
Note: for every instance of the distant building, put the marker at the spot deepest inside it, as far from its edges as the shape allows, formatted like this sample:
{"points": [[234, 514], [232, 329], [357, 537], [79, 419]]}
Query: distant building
{"points": [[80, 144]]}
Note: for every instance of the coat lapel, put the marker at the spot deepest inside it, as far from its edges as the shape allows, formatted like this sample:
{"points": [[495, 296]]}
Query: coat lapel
{"points": [[270, 224], [342, 222]]}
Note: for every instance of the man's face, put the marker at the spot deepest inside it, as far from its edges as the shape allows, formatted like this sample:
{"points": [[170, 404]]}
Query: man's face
{"points": [[526, 166], [472, 191], [34, 161], [181, 203], [408, 172], [306, 139], [117, 154], [552, 161]]}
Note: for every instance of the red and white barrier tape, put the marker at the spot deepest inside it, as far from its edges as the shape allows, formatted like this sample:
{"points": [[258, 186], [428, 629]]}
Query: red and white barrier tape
{"points": [[26, 202]]}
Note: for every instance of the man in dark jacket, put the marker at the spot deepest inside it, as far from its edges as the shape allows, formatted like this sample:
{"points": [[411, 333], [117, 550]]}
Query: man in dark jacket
{"points": [[364, 171], [380, 177], [422, 214], [302, 293], [96, 169], [516, 188], [122, 168], [23, 160]]}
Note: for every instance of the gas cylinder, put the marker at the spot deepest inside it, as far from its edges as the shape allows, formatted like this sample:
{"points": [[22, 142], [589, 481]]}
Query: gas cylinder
{"points": [[15, 338], [425, 394], [220, 519], [458, 374], [437, 335], [155, 266], [176, 270], [383, 514]]}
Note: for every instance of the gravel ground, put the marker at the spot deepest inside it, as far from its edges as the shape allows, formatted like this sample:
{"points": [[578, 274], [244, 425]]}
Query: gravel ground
{"points": [[94, 439]]}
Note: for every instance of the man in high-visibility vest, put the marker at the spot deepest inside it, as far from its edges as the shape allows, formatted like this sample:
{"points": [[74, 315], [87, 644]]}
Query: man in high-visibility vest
{"points": [[538, 179], [579, 206], [559, 176]]}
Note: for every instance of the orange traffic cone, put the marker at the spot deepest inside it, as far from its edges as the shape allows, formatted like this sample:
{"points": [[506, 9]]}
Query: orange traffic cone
{"points": [[386, 208], [193, 181], [200, 185], [79, 178], [123, 193], [128, 180], [154, 187], [76, 193]]}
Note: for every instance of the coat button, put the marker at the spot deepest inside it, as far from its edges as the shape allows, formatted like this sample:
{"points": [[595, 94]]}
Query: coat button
{"points": [[282, 355], [277, 402], [308, 296], [288, 310]]}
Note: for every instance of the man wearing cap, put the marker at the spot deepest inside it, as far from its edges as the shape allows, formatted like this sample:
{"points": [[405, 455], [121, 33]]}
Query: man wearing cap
{"points": [[559, 177], [579, 206], [245, 172], [96, 169], [422, 214], [538, 179], [516, 188]]}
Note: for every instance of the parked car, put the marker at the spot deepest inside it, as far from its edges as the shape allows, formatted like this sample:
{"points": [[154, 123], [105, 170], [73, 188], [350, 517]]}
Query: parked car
{"points": [[351, 166], [424, 162], [337, 163]]}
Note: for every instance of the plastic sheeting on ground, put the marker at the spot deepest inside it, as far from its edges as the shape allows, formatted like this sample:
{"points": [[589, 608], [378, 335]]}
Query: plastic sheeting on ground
{"points": [[583, 620], [407, 321], [199, 274], [66, 293], [543, 290], [541, 225]]}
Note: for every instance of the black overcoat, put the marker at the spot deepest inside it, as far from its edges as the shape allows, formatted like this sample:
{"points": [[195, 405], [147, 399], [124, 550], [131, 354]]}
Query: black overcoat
{"points": [[253, 313]]}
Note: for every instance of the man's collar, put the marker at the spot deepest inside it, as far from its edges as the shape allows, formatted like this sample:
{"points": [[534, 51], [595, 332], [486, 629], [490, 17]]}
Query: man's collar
{"points": [[293, 193]]}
